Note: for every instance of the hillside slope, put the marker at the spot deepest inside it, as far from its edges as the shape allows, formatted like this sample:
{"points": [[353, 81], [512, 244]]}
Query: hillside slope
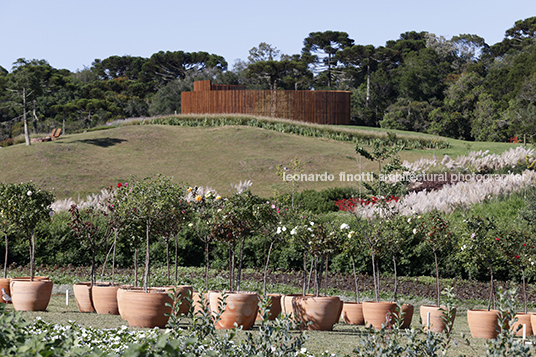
{"points": [[80, 164]]}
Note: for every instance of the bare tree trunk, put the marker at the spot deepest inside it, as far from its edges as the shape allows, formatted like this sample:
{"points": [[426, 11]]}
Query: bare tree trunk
{"points": [[6, 256], [304, 271], [376, 297], [396, 279], [34, 122], [206, 265], [176, 257], [24, 118], [136, 266], [113, 257], [355, 281], [326, 281], [438, 291], [146, 273], [167, 262], [265, 267], [239, 275]]}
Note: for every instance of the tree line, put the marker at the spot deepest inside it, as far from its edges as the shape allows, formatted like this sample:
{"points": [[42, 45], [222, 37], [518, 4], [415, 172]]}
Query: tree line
{"points": [[461, 88]]}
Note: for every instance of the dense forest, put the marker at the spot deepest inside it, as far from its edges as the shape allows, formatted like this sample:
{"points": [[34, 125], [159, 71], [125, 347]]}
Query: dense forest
{"points": [[460, 88]]}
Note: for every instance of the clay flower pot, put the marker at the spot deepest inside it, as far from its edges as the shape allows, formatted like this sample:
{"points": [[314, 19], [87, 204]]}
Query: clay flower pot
{"points": [[120, 294], [378, 313], [408, 310], [483, 323], [4, 283], [82, 295], [352, 313], [196, 300], [317, 312], [522, 319], [436, 321], [104, 297], [184, 292], [145, 309], [30, 295], [275, 307], [241, 308]]}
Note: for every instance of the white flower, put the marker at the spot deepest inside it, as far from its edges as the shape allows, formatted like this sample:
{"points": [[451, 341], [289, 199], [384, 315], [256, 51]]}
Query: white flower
{"points": [[284, 229], [345, 226], [190, 225], [473, 236], [29, 193], [278, 230], [294, 231], [312, 223], [414, 230], [409, 220]]}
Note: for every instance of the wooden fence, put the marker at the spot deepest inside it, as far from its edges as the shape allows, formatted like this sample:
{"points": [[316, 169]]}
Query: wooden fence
{"points": [[320, 107]]}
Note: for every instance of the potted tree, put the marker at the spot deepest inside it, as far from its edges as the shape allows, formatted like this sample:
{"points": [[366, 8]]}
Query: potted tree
{"points": [[28, 206], [268, 216], [436, 235], [319, 312], [232, 224], [90, 227], [479, 249], [517, 248], [148, 202], [352, 311]]}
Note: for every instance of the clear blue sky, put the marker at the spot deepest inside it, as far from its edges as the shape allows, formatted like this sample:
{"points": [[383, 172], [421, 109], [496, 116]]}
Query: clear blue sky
{"points": [[72, 33]]}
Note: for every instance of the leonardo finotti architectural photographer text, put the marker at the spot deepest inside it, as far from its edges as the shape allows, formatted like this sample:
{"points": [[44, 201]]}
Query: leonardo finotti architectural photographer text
{"points": [[368, 177]]}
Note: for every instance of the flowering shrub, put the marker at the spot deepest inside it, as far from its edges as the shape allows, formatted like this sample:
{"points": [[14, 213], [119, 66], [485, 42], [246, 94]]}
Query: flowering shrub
{"points": [[22, 207]]}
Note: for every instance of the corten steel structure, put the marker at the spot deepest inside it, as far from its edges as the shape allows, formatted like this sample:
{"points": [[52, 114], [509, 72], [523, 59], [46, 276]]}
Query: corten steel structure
{"points": [[320, 107]]}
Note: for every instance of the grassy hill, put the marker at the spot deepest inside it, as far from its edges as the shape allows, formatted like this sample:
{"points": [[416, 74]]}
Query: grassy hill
{"points": [[80, 164]]}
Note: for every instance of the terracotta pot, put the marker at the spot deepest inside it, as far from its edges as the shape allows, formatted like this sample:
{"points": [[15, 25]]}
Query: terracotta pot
{"points": [[35, 278], [436, 321], [146, 309], [533, 322], [82, 295], [241, 308], [378, 313], [30, 295], [317, 312], [104, 297], [522, 319], [275, 307], [184, 291], [196, 300], [120, 294], [483, 323], [287, 304], [4, 284], [352, 313], [408, 310]]}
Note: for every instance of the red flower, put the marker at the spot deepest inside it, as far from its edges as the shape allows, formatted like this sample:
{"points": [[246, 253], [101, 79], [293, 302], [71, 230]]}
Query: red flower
{"points": [[497, 239], [119, 184], [517, 256]]}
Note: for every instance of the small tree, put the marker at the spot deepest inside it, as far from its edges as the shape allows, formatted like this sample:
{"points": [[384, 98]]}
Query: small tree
{"points": [[147, 201], [27, 206], [92, 227], [478, 248], [437, 235], [204, 203], [517, 248]]}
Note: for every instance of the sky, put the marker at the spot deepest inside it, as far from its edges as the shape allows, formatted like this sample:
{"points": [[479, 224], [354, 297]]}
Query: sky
{"points": [[71, 34]]}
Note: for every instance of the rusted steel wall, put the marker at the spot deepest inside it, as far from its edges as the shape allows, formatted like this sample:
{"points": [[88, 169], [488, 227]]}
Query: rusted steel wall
{"points": [[207, 86], [320, 107]]}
